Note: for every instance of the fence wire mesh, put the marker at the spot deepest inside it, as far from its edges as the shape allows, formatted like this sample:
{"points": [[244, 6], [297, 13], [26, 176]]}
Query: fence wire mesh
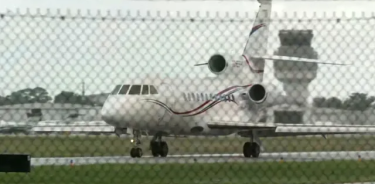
{"points": [[170, 98]]}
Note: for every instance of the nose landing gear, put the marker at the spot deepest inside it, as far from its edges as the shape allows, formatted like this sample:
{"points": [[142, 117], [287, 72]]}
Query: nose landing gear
{"points": [[136, 151]]}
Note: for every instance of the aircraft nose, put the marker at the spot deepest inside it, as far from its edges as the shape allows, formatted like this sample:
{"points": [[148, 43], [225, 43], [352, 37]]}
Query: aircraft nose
{"points": [[106, 114], [112, 110]]}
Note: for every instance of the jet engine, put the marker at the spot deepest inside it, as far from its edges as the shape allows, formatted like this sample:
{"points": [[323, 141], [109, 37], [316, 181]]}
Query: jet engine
{"points": [[218, 64], [257, 93]]}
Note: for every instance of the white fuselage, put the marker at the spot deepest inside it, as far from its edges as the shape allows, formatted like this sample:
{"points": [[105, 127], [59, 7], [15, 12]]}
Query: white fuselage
{"points": [[183, 112]]}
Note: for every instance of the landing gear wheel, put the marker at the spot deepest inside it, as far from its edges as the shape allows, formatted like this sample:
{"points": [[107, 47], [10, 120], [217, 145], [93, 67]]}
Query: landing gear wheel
{"points": [[247, 149], [163, 149], [154, 148], [255, 150], [136, 153], [159, 148], [251, 150]]}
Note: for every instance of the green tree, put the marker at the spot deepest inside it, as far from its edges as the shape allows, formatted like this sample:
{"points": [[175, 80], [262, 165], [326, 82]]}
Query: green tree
{"points": [[41, 95], [3, 100], [319, 101], [333, 102], [72, 98], [28, 95], [358, 101]]}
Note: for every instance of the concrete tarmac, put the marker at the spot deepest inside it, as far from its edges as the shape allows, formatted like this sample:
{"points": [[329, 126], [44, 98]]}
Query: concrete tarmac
{"points": [[208, 158]]}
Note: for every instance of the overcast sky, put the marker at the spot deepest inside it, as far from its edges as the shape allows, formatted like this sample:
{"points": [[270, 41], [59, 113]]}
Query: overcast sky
{"points": [[58, 55]]}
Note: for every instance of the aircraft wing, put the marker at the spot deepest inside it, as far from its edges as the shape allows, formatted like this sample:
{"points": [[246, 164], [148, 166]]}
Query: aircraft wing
{"points": [[297, 129]]}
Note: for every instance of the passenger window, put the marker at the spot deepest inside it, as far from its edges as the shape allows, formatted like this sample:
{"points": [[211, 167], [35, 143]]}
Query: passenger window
{"points": [[145, 90], [115, 91], [135, 90], [124, 89], [153, 90]]}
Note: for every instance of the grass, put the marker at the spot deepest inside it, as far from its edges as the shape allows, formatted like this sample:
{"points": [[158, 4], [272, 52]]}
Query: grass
{"points": [[231, 173], [63, 146]]}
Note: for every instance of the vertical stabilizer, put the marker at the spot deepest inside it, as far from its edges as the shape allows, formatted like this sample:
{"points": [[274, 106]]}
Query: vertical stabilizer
{"points": [[257, 43]]}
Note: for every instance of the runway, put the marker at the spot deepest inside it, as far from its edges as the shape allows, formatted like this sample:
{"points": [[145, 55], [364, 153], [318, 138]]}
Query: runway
{"points": [[208, 158]]}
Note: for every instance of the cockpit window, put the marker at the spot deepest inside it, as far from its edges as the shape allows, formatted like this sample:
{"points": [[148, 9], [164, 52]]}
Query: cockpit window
{"points": [[145, 90], [124, 89], [135, 90], [115, 91], [153, 90]]}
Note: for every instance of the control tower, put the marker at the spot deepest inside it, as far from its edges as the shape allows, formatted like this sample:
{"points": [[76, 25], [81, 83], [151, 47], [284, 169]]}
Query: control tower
{"points": [[296, 76]]}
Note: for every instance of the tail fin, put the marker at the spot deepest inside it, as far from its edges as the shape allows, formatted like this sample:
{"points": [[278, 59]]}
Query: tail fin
{"points": [[257, 43], [255, 51]]}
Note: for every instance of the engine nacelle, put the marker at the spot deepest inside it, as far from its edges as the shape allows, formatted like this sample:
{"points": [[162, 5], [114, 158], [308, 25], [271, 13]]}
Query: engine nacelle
{"points": [[257, 93], [219, 63]]}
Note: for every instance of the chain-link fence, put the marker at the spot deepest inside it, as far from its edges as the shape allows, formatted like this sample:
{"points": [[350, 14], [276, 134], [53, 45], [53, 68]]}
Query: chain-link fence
{"points": [[172, 98]]}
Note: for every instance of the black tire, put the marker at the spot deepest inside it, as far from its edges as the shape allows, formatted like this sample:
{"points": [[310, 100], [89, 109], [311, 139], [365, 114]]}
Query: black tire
{"points": [[155, 148], [139, 152], [163, 149], [133, 153], [255, 150], [247, 149]]}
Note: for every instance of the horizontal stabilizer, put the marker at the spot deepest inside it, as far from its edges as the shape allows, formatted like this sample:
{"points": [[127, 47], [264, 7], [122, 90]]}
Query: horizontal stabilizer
{"points": [[296, 59]]}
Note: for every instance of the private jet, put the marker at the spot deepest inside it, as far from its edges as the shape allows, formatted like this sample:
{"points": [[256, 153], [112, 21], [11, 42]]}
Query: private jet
{"points": [[236, 100]]}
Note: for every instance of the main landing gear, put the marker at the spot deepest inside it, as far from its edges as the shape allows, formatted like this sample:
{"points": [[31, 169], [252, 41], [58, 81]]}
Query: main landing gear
{"points": [[136, 151], [252, 148], [158, 146]]}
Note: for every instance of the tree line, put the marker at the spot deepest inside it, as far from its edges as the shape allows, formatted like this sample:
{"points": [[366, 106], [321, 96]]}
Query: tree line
{"points": [[356, 101], [41, 95]]}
